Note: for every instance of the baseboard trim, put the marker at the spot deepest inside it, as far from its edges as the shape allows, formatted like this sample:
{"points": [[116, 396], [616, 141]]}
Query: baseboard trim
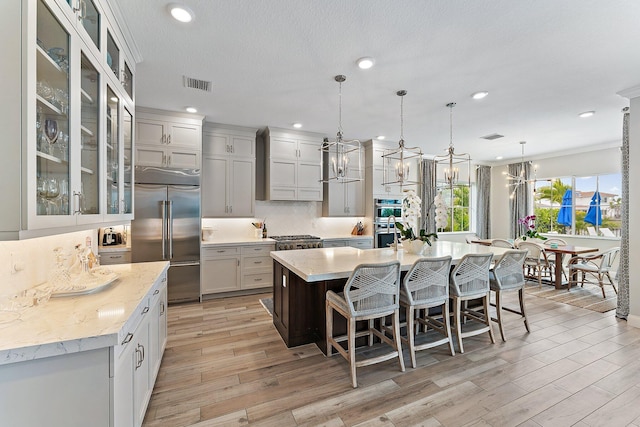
{"points": [[633, 320]]}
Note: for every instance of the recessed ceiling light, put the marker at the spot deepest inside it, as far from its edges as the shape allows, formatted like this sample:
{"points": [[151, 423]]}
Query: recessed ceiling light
{"points": [[479, 95], [380, 137], [297, 125], [499, 158], [191, 109], [586, 114], [180, 12], [365, 62]]}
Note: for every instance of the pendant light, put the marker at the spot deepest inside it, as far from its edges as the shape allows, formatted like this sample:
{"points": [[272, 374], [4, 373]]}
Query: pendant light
{"points": [[451, 169], [342, 158], [516, 181], [402, 163]]}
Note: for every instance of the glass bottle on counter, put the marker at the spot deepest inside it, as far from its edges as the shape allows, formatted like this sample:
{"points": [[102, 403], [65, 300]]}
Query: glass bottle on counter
{"points": [[264, 230]]}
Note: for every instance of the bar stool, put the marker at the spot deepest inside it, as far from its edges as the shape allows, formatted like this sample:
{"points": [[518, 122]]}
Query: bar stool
{"points": [[507, 275], [426, 286], [371, 292], [470, 280]]}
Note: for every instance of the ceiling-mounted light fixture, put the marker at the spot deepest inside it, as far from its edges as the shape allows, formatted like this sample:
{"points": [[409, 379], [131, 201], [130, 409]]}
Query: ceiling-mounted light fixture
{"points": [[453, 165], [402, 164], [586, 114], [518, 180], [180, 12], [191, 109], [480, 95], [380, 137], [339, 156], [365, 62], [297, 125]]}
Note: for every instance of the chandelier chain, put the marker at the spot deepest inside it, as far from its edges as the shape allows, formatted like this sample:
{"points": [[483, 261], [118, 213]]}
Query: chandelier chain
{"points": [[340, 108]]}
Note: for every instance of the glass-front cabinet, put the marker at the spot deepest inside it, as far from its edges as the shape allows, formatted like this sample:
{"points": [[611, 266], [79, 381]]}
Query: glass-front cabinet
{"points": [[77, 141]]}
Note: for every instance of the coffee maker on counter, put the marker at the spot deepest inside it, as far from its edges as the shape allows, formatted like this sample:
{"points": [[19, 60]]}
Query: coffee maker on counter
{"points": [[110, 237]]}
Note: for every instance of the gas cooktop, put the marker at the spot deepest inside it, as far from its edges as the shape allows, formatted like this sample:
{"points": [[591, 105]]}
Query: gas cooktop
{"points": [[294, 237], [297, 241]]}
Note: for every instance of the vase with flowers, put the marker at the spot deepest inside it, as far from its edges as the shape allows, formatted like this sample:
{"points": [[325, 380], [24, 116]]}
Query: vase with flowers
{"points": [[528, 223], [413, 237]]}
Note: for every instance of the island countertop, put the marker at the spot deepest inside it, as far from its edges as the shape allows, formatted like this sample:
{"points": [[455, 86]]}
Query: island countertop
{"points": [[84, 322], [314, 265]]}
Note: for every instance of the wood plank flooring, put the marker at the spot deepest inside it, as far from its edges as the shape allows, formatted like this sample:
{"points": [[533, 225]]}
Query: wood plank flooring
{"points": [[225, 365]]}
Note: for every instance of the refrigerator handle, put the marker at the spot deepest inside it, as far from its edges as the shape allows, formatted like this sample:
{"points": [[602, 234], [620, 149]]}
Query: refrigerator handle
{"points": [[164, 228], [170, 226]]}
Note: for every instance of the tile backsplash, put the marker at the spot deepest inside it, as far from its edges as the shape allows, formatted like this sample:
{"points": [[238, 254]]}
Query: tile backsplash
{"points": [[26, 263], [286, 218]]}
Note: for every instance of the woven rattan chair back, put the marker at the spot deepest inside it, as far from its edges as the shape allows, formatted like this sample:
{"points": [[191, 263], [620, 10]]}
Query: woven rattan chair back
{"points": [[507, 271], [373, 289], [608, 259], [501, 243], [560, 242], [471, 275], [427, 281]]}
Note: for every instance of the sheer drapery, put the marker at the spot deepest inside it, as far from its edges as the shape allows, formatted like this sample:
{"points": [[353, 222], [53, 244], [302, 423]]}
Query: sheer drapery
{"points": [[483, 186], [623, 269], [429, 192], [521, 204]]}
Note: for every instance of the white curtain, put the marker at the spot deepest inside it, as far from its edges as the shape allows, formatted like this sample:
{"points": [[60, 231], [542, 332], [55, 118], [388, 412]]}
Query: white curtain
{"points": [[623, 268], [483, 218], [427, 195]]}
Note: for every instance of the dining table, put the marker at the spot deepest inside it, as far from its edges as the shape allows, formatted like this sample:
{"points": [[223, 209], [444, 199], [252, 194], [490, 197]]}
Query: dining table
{"points": [[560, 251]]}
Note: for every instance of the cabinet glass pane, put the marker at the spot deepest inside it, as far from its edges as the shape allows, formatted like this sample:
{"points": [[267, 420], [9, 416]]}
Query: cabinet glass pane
{"points": [[52, 120], [90, 19], [127, 81], [127, 165], [89, 122], [113, 164], [113, 55]]}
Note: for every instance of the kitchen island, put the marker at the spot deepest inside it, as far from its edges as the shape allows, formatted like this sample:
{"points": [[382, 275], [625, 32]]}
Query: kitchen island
{"points": [[87, 359], [301, 279]]}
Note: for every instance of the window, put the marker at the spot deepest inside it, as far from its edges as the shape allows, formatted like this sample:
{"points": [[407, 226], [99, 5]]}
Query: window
{"points": [[457, 199], [587, 206]]}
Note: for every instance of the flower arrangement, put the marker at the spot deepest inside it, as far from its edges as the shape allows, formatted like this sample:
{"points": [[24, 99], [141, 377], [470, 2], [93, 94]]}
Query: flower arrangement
{"points": [[529, 223], [411, 211]]}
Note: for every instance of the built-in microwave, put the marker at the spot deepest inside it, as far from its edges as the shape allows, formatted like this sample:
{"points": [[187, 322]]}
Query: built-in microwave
{"points": [[385, 210]]}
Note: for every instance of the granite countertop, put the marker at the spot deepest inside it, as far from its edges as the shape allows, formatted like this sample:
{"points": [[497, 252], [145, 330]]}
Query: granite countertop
{"points": [[237, 241], [85, 322], [314, 265]]}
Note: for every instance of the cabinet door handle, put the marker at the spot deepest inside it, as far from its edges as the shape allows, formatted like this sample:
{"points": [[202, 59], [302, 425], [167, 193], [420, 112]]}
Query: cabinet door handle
{"points": [[83, 10], [145, 310], [227, 148], [232, 148], [162, 309], [115, 256], [164, 138], [156, 292], [230, 209], [169, 161], [238, 263], [257, 249], [258, 279], [169, 139], [164, 159], [257, 262], [78, 209], [221, 251], [128, 338]]}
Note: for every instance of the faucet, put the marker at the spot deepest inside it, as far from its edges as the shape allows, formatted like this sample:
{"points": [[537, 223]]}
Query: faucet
{"points": [[395, 235]]}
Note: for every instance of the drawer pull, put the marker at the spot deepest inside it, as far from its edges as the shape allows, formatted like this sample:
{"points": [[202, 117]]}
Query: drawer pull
{"points": [[115, 256], [145, 310], [128, 338], [258, 279], [221, 251], [257, 262], [257, 249], [156, 292]]}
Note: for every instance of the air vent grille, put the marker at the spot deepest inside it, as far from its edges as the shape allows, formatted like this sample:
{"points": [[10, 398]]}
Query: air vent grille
{"points": [[492, 136], [192, 83]]}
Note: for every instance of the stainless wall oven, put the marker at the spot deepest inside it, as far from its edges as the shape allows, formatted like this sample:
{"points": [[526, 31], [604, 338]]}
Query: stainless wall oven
{"points": [[383, 221]]}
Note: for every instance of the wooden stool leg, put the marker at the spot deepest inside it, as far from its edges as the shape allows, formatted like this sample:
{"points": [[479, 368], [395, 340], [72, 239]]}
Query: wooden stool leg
{"points": [[487, 316], [396, 338], [499, 313], [411, 334], [456, 322], [352, 351], [329, 314], [521, 295], [447, 327]]}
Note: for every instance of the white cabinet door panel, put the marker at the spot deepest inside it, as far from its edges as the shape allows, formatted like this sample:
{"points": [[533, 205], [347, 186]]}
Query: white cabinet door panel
{"points": [[242, 187], [283, 173], [149, 155], [215, 144], [220, 275], [177, 158], [284, 148], [185, 136], [214, 187], [309, 151], [310, 175], [150, 132], [243, 147]]}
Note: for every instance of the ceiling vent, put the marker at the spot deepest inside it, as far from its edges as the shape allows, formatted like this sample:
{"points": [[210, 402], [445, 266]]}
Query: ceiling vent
{"points": [[492, 136], [192, 83]]}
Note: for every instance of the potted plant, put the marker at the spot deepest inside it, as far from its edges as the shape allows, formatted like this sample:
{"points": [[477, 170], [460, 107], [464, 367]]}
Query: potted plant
{"points": [[413, 237]]}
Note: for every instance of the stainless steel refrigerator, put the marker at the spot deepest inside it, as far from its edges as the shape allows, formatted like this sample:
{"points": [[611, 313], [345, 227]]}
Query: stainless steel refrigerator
{"points": [[166, 226]]}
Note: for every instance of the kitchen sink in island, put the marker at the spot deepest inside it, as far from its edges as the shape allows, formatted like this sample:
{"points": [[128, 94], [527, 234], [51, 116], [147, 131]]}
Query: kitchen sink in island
{"points": [[301, 279]]}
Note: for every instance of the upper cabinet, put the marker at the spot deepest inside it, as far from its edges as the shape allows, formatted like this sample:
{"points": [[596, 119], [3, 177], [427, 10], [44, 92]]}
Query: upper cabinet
{"points": [[168, 139], [68, 168], [292, 165], [228, 171]]}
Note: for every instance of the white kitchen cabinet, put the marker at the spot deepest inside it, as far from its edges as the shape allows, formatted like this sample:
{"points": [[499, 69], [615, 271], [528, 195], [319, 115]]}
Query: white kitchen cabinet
{"points": [[257, 267], [168, 139], [355, 242], [56, 63], [228, 171], [220, 269], [157, 331], [292, 165]]}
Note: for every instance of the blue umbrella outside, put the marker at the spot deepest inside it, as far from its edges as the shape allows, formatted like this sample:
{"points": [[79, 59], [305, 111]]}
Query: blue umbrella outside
{"points": [[564, 214], [594, 214]]}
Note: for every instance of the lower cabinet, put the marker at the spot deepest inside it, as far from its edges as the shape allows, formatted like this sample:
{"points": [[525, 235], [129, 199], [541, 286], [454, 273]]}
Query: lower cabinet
{"points": [[235, 268], [138, 358], [360, 243]]}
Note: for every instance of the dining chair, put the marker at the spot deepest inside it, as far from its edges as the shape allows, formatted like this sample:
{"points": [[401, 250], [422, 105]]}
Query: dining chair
{"points": [[425, 286], [536, 260], [551, 257], [507, 275], [372, 291], [596, 266], [502, 243], [470, 280]]}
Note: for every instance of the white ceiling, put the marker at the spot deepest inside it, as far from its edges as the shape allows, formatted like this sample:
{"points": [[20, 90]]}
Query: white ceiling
{"points": [[273, 62]]}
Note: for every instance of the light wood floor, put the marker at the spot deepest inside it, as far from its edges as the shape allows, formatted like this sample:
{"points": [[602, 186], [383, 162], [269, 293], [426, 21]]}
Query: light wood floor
{"points": [[225, 365]]}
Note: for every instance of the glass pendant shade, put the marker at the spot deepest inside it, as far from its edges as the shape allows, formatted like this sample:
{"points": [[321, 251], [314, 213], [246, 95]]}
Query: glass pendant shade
{"points": [[343, 158], [402, 164]]}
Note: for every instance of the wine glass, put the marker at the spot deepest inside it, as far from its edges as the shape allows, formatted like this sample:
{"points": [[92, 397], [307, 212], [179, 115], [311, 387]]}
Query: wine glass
{"points": [[43, 208], [51, 132], [64, 196], [52, 187]]}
